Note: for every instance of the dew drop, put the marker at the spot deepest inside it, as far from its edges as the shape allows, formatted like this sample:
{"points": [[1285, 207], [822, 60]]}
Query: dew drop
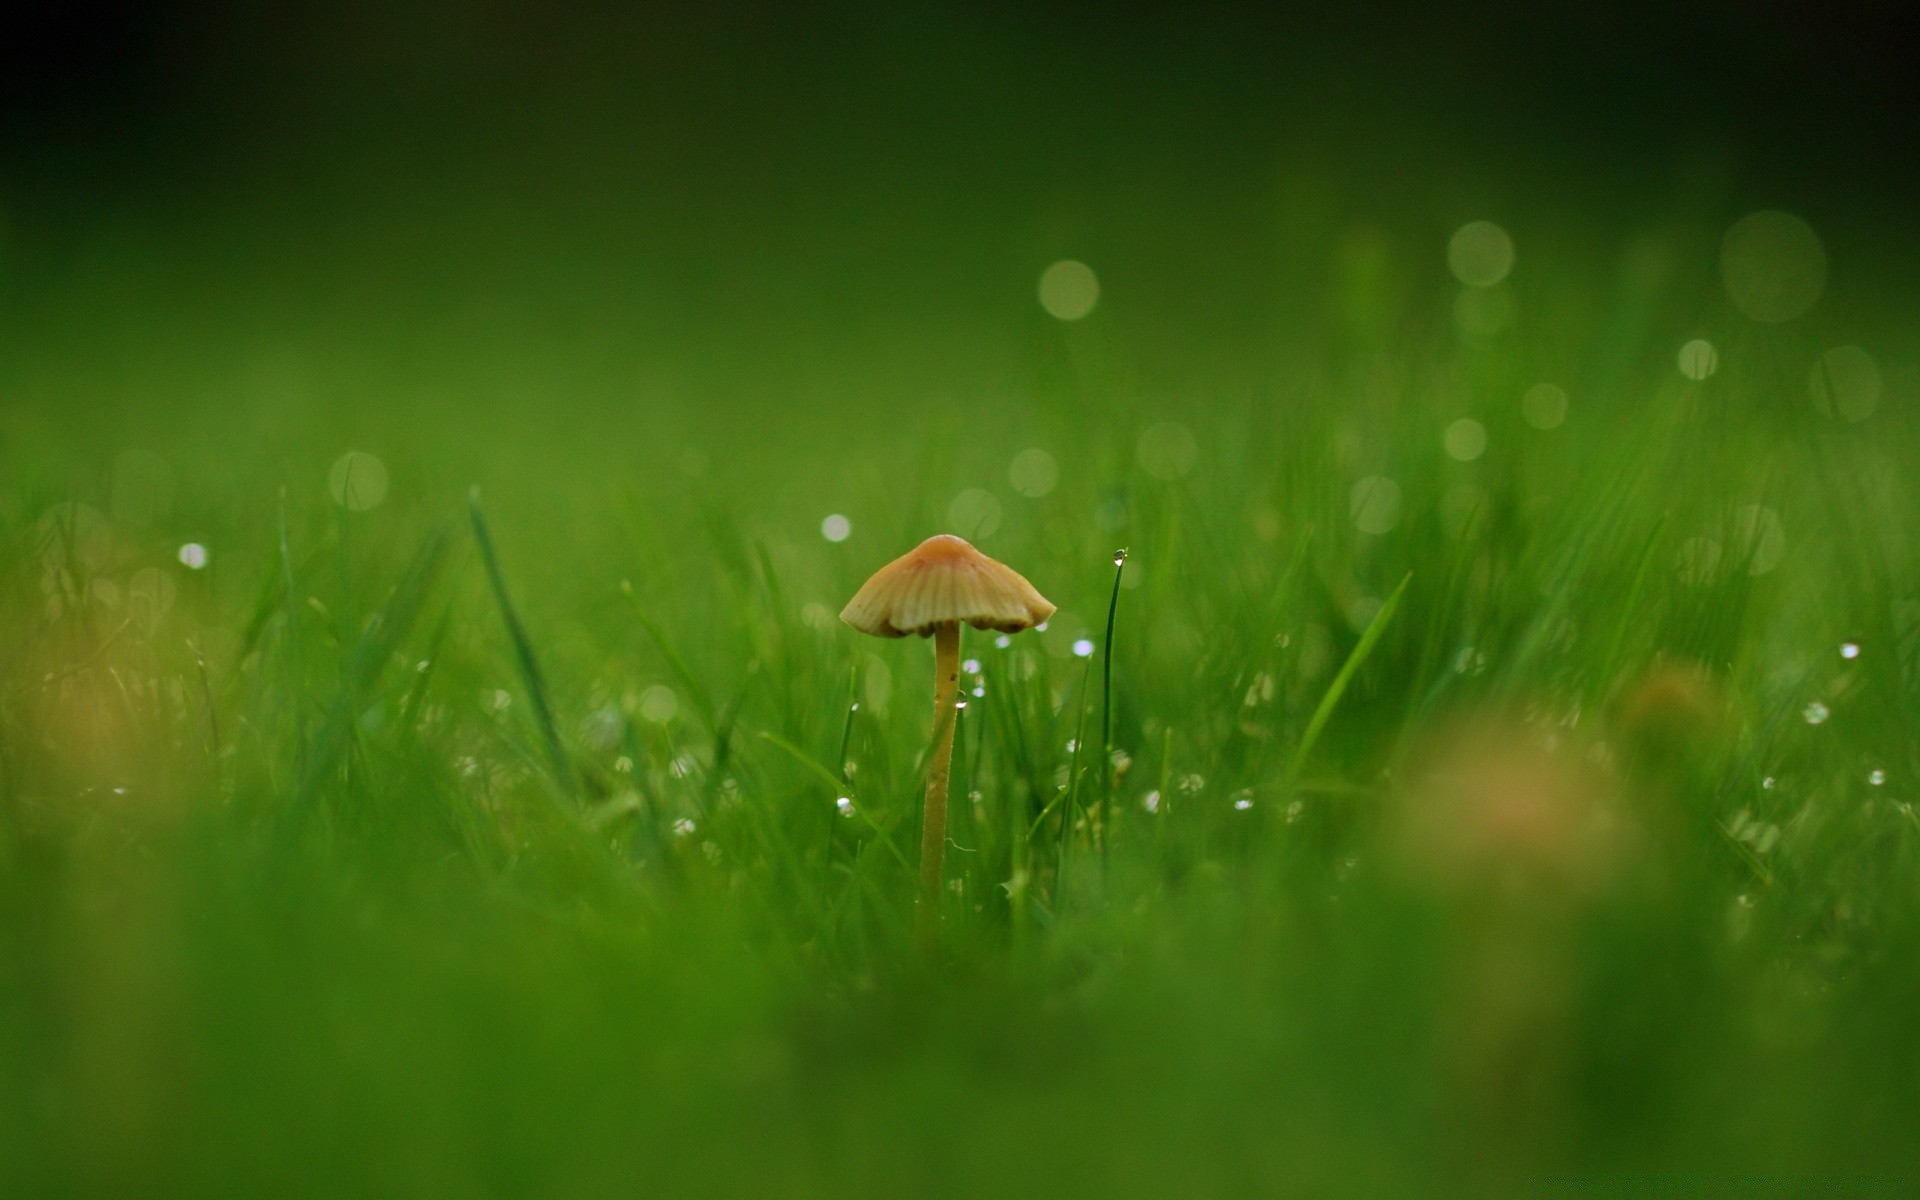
{"points": [[1876, 777], [1849, 649], [1816, 713]]}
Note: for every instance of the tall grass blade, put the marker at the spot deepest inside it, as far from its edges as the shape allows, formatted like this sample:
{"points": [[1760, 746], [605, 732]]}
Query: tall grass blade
{"points": [[530, 673], [1338, 687], [374, 651], [1106, 706]]}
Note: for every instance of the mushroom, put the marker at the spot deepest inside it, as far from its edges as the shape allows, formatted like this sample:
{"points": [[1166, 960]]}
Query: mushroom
{"points": [[932, 590]]}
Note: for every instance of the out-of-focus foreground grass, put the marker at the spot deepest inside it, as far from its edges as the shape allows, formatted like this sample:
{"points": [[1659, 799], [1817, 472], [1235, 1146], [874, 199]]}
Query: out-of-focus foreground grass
{"points": [[1599, 863]]}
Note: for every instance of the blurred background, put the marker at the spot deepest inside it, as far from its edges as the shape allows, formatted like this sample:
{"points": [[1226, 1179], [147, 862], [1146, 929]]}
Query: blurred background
{"points": [[590, 220]]}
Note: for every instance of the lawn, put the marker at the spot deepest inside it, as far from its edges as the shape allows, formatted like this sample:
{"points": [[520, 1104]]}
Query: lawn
{"points": [[432, 761]]}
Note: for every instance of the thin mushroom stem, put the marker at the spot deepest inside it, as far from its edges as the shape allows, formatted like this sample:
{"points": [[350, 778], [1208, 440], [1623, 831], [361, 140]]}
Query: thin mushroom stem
{"points": [[933, 825]]}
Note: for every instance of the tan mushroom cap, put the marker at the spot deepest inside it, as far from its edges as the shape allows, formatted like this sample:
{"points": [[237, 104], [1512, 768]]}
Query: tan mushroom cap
{"points": [[944, 579]]}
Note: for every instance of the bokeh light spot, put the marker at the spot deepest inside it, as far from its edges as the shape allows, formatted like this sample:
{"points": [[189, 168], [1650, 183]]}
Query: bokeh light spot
{"points": [[1465, 440], [836, 528], [1374, 504], [1034, 473], [358, 481], [1698, 359], [1480, 254], [1761, 537], [1167, 450], [1845, 383], [974, 514], [1544, 406], [1069, 290], [658, 704], [193, 556], [1773, 265]]}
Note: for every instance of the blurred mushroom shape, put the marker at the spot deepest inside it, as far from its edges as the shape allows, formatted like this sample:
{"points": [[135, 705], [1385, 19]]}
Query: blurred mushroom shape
{"points": [[932, 590]]}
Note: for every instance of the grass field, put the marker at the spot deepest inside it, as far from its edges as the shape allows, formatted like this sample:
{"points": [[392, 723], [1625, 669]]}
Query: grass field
{"points": [[431, 762]]}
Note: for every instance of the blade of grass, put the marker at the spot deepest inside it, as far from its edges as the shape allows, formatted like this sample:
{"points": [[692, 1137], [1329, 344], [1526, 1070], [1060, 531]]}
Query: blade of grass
{"points": [[702, 701], [1338, 687], [374, 650], [530, 673], [1106, 706]]}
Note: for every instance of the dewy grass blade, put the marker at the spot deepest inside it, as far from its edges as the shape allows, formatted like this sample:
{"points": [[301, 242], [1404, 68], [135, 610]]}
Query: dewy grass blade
{"points": [[522, 648], [1106, 707], [1338, 687]]}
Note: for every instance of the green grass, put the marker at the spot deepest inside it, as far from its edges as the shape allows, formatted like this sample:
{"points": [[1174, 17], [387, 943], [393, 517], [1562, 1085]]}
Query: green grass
{"points": [[420, 851]]}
